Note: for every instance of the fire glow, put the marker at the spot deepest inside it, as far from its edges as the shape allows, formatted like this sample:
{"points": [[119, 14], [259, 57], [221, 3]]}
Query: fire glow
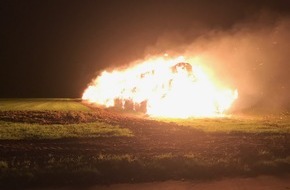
{"points": [[162, 87]]}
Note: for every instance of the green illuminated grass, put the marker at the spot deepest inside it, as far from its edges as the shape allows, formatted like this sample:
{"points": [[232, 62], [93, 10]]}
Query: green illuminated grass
{"points": [[245, 124], [240, 145], [42, 105], [16, 131]]}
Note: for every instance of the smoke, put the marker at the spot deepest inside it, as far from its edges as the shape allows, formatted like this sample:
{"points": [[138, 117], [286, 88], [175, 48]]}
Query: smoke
{"points": [[252, 56]]}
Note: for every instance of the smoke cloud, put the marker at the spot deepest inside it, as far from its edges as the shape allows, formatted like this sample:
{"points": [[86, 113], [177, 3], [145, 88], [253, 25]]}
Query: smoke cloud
{"points": [[252, 56]]}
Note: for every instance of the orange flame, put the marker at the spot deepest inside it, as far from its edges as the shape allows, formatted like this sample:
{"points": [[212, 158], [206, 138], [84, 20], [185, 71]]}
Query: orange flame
{"points": [[165, 87]]}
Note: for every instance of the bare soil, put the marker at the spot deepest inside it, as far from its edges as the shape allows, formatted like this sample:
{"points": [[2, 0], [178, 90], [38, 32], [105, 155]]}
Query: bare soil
{"points": [[151, 138], [255, 183]]}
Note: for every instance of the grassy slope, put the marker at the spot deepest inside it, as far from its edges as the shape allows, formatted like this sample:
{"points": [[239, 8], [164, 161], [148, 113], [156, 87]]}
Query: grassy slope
{"points": [[245, 124], [14, 130], [41, 105], [103, 167]]}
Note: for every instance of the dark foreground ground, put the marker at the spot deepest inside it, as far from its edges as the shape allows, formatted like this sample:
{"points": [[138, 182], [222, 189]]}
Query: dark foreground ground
{"points": [[157, 151], [253, 183]]}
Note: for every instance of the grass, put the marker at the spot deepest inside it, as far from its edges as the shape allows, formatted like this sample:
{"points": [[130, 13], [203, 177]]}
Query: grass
{"points": [[245, 124], [16, 131], [108, 168], [42, 105], [134, 159], [19, 130]]}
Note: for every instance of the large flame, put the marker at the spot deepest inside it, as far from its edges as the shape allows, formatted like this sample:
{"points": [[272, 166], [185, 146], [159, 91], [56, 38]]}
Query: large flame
{"points": [[162, 87]]}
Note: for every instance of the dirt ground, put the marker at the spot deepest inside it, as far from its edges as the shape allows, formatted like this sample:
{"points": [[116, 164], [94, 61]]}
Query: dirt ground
{"points": [[254, 183], [154, 138], [150, 137], [257, 183]]}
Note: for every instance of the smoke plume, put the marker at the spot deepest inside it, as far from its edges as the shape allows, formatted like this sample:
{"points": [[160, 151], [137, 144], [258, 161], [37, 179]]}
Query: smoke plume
{"points": [[252, 56]]}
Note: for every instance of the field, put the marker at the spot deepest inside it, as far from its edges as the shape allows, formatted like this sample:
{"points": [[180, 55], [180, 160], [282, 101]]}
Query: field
{"points": [[58, 142]]}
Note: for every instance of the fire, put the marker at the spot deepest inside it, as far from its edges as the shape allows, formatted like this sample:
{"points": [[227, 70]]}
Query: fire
{"points": [[162, 87]]}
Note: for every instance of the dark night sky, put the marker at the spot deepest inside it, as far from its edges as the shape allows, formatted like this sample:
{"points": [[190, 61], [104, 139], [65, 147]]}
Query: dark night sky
{"points": [[54, 48]]}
